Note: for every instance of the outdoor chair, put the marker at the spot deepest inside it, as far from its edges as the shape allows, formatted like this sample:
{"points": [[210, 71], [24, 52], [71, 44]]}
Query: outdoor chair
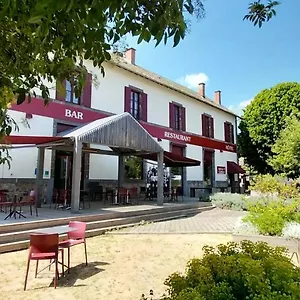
{"points": [[123, 195], [75, 237], [44, 247], [29, 201], [133, 195], [4, 203], [62, 199]]}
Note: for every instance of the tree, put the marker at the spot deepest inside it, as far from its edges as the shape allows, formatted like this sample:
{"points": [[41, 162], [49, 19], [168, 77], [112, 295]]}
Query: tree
{"points": [[286, 158], [260, 12], [263, 120], [44, 40], [133, 167]]}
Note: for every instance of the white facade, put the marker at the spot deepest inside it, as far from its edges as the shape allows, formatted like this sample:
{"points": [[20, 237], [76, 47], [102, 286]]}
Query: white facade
{"points": [[108, 96]]}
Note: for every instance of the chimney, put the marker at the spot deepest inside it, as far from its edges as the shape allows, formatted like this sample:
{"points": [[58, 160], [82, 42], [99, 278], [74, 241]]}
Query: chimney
{"points": [[202, 89], [218, 97], [130, 55]]}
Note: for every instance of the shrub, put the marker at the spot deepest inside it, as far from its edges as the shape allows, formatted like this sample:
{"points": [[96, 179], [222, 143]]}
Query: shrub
{"points": [[244, 227], [271, 217], [274, 186], [228, 201], [291, 231], [236, 272]]}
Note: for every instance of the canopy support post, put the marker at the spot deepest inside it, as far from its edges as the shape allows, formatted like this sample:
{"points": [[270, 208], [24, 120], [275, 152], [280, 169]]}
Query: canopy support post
{"points": [[160, 178], [76, 176], [120, 170], [39, 176]]}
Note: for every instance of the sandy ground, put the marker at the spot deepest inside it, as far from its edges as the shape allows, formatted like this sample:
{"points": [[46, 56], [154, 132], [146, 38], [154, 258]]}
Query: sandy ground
{"points": [[121, 267]]}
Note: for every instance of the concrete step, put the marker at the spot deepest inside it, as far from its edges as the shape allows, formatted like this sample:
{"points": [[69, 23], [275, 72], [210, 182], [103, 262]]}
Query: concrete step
{"points": [[23, 226], [20, 240], [24, 235]]}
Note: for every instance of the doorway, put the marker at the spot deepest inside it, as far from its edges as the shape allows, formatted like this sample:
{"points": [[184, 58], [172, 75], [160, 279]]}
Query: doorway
{"points": [[208, 169]]}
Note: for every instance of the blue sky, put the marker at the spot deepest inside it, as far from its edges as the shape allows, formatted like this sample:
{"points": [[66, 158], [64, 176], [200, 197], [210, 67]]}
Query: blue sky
{"points": [[231, 54]]}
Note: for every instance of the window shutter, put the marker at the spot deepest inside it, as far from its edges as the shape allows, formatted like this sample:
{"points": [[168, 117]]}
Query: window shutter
{"points": [[58, 96], [212, 127], [144, 99], [183, 119], [127, 94], [226, 132], [171, 115], [232, 134], [204, 133], [87, 91]]}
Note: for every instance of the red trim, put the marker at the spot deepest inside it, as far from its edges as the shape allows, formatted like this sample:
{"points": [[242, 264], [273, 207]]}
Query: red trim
{"points": [[82, 115], [30, 140], [60, 110], [188, 138], [234, 168], [173, 159]]}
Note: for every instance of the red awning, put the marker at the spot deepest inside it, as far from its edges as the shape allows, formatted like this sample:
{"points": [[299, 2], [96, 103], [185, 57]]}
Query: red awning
{"points": [[29, 140], [234, 168], [173, 160]]}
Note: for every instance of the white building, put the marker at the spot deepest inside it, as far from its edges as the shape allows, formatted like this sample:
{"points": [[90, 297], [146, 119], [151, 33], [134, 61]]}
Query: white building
{"points": [[183, 121]]}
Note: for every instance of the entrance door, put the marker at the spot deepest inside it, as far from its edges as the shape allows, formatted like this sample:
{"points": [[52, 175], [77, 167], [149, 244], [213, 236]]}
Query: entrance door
{"points": [[179, 150], [63, 171], [208, 168]]}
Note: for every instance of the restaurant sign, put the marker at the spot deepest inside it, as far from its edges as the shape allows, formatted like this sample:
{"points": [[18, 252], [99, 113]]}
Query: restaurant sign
{"points": [[177, 136]]}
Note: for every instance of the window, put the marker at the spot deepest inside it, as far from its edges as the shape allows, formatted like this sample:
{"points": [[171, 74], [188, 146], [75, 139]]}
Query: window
{"points": [[70, 94], [229, 132], [207, 126], [177, 116], [85, 98], [135, 104]]}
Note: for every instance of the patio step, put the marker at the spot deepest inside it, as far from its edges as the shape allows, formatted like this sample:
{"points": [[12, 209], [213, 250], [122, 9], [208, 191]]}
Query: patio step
{"points": [[18, 240], [31, 225]]}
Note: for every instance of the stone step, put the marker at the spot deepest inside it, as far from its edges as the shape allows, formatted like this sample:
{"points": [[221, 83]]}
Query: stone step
{"points": [[30, 225], [24, 235], [20, 240]]}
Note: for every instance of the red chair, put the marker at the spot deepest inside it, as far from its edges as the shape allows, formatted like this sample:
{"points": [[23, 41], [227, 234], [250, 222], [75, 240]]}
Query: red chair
{"points": [[133, 195], [4, 203], [75, 237], [44, 247], [123, 195], [29, 201]]}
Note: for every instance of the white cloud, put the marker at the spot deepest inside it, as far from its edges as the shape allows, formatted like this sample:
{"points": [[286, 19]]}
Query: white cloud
{"points": [[192, 80], [238, 108]]}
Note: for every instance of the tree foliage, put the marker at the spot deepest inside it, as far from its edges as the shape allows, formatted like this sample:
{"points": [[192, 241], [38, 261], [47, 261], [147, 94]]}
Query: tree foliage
{"points": [[261, 12], [286, 150], [47, 41], [263, 120]]}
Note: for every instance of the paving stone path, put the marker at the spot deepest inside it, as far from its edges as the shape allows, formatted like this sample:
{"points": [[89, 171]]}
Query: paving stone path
{"points": [[213, 221]]}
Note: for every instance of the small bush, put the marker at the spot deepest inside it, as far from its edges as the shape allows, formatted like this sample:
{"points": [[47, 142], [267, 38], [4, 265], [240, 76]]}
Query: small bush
{"points": [[228, 201], [252, 271], [291, 231], [246, 228], [271, 217], [274, 187]]}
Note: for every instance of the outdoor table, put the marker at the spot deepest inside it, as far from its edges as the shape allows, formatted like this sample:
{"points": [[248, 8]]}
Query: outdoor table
{"points": [[55, 229], [14, 204]]}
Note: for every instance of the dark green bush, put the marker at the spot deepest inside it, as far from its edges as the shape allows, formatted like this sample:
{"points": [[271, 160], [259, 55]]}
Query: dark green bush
{"points": [[252, 271], [271, 217]]}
